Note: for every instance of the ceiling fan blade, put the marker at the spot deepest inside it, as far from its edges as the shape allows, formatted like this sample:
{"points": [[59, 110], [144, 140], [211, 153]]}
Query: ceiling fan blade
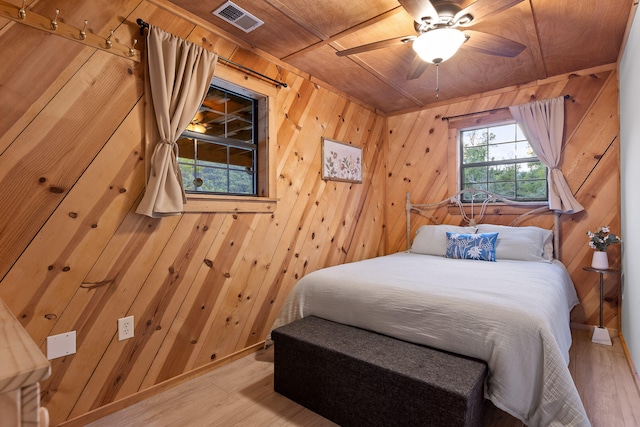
{"points": [[375, 45], [420, 9], [482, 9], [492, 44], [418, 66]]}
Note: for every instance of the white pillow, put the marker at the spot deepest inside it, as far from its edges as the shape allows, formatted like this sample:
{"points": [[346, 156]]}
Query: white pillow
{"points": [[432, 239], [521, 243]]}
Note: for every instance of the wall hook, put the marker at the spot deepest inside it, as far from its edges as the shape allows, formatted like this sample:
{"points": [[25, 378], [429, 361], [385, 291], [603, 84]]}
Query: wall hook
{"points": [[54, 21], [132, 49], [59, 27], [83, 31], [22, 13], [108, 42]]}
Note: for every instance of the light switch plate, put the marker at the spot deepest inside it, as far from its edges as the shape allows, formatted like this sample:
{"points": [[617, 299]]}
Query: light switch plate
{"points": [[61, 345]]}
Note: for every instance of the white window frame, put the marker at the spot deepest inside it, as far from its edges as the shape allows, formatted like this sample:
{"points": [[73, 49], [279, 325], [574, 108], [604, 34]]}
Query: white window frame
{"points": [[459, 160]]}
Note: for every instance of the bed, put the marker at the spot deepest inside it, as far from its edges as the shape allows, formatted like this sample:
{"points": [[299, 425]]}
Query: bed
{"points": [[512, 313]]}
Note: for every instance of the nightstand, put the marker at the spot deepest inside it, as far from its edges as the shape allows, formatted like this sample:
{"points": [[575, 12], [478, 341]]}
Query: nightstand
{"points": [[600, 333]]}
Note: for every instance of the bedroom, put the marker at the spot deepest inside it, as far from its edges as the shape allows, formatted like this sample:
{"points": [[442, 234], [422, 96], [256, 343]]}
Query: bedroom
{"points": [[75, 256]]}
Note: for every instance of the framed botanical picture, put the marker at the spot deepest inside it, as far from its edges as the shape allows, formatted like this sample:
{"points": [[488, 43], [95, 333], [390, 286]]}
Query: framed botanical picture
{"points": [[341, 162]]}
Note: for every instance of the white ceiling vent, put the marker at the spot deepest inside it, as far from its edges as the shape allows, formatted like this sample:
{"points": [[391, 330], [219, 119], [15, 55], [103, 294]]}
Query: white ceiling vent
{"points": [[238, 17]]}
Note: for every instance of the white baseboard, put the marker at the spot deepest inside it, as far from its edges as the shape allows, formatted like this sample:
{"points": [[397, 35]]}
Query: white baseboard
{"points": [[634, 372]]}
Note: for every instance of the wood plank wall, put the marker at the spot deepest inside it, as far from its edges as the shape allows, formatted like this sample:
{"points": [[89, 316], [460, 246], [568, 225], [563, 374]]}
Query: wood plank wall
{"points": [[422, 160], [75, 256]]}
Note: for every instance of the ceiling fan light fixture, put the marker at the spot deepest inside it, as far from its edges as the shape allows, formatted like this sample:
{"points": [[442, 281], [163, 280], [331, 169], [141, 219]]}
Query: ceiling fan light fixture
{"points": [[438, 45]]}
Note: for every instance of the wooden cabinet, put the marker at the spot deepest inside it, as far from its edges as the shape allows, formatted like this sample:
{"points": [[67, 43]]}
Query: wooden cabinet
{"points": [[22, 367]]}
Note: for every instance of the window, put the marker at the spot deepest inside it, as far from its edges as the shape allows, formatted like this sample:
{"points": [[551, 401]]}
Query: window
{"points": [[218, 151], [227, 154], [499, 159]]}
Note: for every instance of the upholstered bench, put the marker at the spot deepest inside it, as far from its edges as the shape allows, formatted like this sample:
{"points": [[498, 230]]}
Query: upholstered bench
{"points": [[355, 377]]}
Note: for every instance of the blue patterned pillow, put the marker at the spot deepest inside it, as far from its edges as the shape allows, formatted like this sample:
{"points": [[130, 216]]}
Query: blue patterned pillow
{"points": [[480, 246]]}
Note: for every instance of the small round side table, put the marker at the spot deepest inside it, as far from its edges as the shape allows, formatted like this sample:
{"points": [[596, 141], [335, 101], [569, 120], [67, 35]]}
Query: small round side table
{"points": [[600, 333]]}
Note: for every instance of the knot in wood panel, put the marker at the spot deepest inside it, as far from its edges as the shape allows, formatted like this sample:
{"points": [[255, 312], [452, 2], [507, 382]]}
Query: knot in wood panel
{"points": [[56, 190], [93, 285]]}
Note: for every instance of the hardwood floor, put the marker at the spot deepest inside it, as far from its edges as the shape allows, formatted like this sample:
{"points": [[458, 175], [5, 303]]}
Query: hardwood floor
{"points": [[241, 394]]}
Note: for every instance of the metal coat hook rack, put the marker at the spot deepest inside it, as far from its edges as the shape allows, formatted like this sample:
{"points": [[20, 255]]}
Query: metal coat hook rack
{"points": [[54, 25]]}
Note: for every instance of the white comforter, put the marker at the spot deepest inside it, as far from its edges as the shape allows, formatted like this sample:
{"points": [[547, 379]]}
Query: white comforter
{"points": [[512, 314]]}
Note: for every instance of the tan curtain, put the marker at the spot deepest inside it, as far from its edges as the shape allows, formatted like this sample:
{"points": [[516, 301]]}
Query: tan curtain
{"points": [[177, 79], [542, 122]]}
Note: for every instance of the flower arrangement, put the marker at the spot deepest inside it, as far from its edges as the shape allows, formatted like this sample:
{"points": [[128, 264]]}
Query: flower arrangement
{"points": [[601, 239]]}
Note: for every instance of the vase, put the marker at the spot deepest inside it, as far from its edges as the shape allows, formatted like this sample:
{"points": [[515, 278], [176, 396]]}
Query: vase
{"points": [[600, 260]]}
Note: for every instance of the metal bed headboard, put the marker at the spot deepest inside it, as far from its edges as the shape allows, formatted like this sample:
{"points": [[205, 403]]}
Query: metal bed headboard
{"points": [[480, 199]]}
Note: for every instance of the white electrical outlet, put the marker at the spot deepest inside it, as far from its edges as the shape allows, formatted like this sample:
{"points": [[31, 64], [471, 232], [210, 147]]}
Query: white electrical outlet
{"points": [[125, 328]]}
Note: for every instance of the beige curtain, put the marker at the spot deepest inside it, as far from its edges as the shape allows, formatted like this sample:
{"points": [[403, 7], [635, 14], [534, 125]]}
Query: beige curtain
{"points": [[177, 79], [542, 122]]}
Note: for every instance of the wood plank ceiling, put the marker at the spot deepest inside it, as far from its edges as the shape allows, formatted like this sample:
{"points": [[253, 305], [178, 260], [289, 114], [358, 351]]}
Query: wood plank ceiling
{"points": [[560, 37]]}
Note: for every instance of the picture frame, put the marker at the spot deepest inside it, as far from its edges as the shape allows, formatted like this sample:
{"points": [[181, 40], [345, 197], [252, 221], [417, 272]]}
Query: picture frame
{"points": [[341, 161]]}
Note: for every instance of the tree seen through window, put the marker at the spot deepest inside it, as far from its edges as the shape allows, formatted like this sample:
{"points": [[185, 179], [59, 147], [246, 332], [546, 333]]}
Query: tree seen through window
{"points": [[499, 159]]}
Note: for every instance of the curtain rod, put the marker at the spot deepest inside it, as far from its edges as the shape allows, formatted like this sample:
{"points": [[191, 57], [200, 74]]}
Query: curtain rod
{"points": [[144, 25], [484, 111]]}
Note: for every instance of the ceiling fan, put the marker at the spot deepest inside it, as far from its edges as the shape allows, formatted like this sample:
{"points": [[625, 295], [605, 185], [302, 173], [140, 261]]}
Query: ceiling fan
{"points": [[437, 24]]}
